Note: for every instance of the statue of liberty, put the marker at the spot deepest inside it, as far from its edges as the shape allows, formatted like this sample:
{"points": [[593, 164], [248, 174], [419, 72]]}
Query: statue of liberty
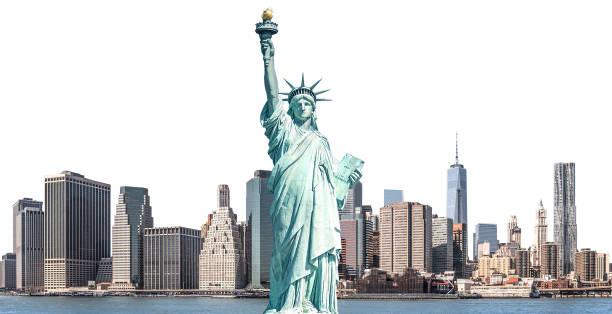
{"points": [[309, 188]]}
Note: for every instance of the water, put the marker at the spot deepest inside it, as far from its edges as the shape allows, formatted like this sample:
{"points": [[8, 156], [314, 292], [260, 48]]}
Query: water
{"points": [[176, 305]]}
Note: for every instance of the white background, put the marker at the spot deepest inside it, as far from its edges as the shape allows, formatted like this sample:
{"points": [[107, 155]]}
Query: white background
{"points": [[167, 95]]}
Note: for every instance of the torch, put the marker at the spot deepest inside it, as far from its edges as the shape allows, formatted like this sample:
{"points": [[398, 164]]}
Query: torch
{"points": [[266, 28]]}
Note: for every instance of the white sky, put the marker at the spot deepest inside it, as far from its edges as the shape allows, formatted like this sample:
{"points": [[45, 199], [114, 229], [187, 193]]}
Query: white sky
{"points": [[167, 95]]}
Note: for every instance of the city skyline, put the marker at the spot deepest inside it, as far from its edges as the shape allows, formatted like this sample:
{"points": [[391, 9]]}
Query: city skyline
{"points": [[173, 109]]}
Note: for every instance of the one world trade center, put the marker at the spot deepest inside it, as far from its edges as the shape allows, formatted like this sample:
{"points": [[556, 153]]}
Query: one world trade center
{"points": [[456, 196]]}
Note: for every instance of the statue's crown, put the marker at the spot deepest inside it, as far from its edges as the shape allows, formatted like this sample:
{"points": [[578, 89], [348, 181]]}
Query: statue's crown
{"points": [[304, 90]]}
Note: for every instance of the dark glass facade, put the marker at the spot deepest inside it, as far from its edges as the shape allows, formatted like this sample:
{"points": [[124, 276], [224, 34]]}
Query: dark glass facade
{"points": [[28, 224], [171, 258], [259, 242], [77, 229]]}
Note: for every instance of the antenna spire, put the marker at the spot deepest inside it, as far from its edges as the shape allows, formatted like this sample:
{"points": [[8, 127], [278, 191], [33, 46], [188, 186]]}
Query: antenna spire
{"points": [[456, 148]]}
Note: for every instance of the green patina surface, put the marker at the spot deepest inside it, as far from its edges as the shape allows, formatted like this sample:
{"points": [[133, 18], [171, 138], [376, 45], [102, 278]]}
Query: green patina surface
{"points": [[309, 187]]}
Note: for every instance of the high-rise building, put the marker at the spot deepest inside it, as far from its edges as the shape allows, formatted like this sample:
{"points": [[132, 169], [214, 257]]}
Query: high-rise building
{"points": [[485, 232], [223, 196], [522, 262], [442, 244], [132, 217], [170, 258], [541, 233], [356, 231], [421, 237], [242, 228], [565, 215], [405, 237], [602, 260], [220, 264], [375, 249], [395, 244], [585, 264], [375, 219], [28, 223], [260, 241], [393, 196], [370, 225], [8, 276], [456, 196], [460, 250], [514, 232], [77, 229], [353, 199], [550, 260]]}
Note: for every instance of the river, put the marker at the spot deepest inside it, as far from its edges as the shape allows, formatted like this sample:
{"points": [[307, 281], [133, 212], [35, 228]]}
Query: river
{"points": [[176, 305]]}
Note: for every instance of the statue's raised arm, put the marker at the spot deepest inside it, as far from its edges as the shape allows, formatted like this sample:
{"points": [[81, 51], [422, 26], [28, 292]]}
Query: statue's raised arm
{"points": [[270, 80]]}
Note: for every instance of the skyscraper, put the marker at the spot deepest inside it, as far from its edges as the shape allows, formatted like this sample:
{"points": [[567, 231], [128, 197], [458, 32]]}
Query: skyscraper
{"points": [[355, 232], [395, 244], [170, 258], [28, 222], [602, 260], [585, 264], [522, 264], [260, 241], [541, 233], [460, 250], [565, 215], [485, 232], [456, 196], [442, 244], [405, 237], [514, 232], [220, 259], [393, 196], [77, 229], [421, 237], [550, 260], [353, 199], [132, 217]]}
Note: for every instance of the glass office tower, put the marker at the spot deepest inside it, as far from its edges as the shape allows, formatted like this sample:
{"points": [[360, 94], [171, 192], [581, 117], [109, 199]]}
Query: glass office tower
{"points": [[259, 238], [393, 196], [485, 232], [565, 215]]}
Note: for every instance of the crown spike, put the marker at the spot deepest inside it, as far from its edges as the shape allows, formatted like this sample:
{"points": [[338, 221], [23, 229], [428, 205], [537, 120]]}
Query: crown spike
{"points": [[323, 91], [321, 99], [286, 99], [292, 87], [302, 80], [315, 84], [283, 93]]}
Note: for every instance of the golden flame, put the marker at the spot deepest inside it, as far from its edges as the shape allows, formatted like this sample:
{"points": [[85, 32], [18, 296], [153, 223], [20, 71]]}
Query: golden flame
{"points": [[267, 14]]}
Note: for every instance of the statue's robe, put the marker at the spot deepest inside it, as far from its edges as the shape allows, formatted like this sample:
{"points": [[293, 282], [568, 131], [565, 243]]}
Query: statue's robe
{"points": [[304, 265]]}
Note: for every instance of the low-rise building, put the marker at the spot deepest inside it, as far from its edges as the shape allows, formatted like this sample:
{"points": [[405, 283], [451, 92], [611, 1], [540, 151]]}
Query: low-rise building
{"points": [[488, 265], [502, 291]]}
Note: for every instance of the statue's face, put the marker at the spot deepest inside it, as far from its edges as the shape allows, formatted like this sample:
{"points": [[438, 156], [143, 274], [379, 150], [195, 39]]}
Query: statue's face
{"points": [[302, 107]]}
